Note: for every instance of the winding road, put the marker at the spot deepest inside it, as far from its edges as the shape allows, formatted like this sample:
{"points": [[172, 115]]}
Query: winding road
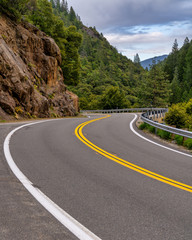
{"points": [[112, 181]]}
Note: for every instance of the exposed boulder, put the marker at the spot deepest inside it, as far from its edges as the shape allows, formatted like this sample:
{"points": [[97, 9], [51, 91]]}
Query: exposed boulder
{"points": [[31, 80]]}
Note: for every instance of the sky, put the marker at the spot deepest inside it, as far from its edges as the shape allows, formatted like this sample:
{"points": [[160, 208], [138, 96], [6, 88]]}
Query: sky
{"points": [[146, 27]]}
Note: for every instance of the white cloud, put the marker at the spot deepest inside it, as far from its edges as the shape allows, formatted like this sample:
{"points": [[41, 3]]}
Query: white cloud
{"points": [[149, 41], [136, 38], [146, 45]]}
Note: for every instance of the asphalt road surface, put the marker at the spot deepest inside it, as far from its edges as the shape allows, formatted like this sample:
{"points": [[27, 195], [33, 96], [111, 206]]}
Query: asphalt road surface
{"points": [[111, 200]]}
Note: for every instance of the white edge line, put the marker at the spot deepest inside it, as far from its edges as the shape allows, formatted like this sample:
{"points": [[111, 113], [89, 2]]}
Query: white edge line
{"points": [[69, 222], [146, 139]]}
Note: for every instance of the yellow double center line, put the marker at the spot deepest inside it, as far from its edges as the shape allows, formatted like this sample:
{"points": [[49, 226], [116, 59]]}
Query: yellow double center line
{"points": [[79, 134]]}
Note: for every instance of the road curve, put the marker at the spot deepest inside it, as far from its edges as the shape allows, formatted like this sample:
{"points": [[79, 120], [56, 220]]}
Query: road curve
{"points": [[112, 201]]}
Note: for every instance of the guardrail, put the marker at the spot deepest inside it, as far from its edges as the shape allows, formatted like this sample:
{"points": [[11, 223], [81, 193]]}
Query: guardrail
{"points": [[146, 117], [149, 115], [122, 110]]}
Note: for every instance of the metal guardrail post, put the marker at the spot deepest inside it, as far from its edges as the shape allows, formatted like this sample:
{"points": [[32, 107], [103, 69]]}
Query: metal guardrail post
{"points": [[145, 118]]}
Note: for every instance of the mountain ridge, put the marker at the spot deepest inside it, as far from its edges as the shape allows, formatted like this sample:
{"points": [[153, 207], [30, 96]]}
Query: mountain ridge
{"points": [[147, 62]]}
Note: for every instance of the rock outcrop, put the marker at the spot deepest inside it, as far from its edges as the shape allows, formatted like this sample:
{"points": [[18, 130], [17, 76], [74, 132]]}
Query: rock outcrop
{"points": [[31, 80]]}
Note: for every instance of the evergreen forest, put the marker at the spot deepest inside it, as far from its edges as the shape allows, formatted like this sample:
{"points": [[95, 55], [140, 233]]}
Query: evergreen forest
{"points": [[93, 69]]}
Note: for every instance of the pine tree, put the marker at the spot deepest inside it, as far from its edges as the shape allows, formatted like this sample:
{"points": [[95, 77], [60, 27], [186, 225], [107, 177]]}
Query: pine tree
{"points": [[172, 61], [64, 6], [188, 70], [154, 88], [58, 7], [52, 3], [71, 61], [186, 41], [137, 59], [175, 88], [175, 47], [181, 62], [72, 15]]}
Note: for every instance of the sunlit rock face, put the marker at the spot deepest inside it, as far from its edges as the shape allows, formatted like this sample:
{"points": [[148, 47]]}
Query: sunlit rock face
{"points": [[31, 80]]}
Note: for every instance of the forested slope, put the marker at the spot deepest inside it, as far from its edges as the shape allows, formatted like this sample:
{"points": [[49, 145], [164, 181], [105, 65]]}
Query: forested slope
{"points": [[95, 71], [104, 72]]}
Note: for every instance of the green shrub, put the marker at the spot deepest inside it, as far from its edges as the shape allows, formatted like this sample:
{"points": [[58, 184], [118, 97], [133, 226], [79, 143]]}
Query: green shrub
{"points": [[143, 126], [188, 143], [151, 129], [159, 132], [178, 139], [176, 116], [28, 115], [53, 115], [19, 110], [164, 134], [51, 96]]}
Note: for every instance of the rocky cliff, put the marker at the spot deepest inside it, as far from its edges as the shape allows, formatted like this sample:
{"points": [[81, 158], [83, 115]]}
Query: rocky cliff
{"points": [[31, 80]]}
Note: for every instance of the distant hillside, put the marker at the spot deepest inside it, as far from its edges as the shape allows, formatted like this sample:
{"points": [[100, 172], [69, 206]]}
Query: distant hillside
{"points": [[146, 63]]}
